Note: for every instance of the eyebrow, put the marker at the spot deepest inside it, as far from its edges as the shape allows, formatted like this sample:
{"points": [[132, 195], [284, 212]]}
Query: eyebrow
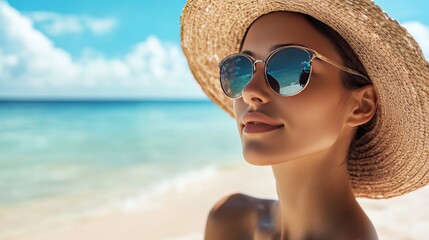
{"points": [[272, 48]]}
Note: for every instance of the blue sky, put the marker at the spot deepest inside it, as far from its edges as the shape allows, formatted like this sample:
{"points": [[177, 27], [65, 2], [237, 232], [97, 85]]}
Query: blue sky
{"points": [[115, 49], [135, 21]]}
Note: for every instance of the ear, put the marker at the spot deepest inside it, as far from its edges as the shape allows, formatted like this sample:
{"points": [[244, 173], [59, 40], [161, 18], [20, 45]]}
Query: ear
{"points": [[363, 105]]}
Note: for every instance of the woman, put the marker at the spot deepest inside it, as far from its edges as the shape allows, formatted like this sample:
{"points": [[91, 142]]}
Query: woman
{"points": [[332, 120]]}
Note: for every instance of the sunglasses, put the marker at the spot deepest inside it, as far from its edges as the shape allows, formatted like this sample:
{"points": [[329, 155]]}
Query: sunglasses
{"points": [[287, 70]]}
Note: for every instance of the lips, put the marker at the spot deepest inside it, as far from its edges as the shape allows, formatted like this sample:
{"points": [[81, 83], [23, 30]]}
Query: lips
{"points": [[254, 122]]}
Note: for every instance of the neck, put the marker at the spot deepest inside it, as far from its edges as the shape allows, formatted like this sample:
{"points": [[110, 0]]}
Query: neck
{"points": [[315, 197]]}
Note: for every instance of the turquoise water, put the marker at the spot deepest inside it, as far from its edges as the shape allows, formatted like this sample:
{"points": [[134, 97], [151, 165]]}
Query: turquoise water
{"points": [[79, 155]]}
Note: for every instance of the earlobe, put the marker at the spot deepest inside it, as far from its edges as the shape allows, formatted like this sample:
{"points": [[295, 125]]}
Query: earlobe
{"points": [[365, 105]]}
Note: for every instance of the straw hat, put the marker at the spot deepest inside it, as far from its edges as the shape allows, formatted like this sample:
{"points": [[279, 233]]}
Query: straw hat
{"points": [[392, 157]]}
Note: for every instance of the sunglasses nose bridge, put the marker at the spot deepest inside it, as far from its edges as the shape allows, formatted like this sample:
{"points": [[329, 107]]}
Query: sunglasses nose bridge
{"points": [[254, 63]]}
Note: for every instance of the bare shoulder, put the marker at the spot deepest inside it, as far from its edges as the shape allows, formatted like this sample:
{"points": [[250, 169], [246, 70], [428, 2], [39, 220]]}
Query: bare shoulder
{"points": [[235, 216]]}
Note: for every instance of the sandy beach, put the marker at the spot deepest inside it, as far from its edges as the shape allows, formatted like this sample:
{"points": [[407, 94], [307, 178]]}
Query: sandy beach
{"points": [[180, 211]]}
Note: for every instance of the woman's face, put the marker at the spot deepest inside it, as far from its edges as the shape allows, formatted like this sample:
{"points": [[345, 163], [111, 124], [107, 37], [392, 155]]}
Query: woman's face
{"points": [[313, 119]]}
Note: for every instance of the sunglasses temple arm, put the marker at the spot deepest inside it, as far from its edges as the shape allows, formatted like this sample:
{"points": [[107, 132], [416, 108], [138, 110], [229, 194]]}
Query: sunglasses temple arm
{"points": [[344, 68]]}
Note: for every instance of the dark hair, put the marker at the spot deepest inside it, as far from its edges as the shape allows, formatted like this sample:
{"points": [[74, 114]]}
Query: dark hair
{"points": [[350, 60]]}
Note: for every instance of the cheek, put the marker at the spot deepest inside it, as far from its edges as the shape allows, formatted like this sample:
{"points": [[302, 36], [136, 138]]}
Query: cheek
{"points": [[320, 106], [235, 107], [314, 129], [316, 124], [238, 106]]}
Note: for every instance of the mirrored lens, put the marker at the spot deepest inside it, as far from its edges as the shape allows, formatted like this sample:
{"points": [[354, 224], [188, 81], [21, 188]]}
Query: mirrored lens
{"points": [[235, 72], [288, 71]]}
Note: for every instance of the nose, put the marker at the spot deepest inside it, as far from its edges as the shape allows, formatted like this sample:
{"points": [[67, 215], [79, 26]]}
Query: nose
{"points": [[257, 91]]}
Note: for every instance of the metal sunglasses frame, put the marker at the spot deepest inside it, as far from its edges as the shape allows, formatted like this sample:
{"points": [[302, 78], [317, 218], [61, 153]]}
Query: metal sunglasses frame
{"points": [[312, 54]]}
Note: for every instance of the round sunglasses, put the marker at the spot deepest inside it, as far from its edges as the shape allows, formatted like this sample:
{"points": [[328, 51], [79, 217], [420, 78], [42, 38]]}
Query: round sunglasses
{"points": [[287, 70]]}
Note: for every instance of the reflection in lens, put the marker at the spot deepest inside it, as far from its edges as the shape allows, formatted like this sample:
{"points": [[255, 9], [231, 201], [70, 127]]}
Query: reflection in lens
{"points": [[235, 72], [273, 83], [290, 68], [303, 78]]}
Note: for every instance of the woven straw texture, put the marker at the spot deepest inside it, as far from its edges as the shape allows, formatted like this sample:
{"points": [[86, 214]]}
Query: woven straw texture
{"points": [[390, 159]]}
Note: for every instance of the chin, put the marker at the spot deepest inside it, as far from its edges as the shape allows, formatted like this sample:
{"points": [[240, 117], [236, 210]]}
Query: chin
{"points": [[259, 154], [261, 159]]}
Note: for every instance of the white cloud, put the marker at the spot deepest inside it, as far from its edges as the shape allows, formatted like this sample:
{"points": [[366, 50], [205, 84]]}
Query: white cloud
{"points": [[420, 32], [31, 64], [101, 26], [60, 24]]}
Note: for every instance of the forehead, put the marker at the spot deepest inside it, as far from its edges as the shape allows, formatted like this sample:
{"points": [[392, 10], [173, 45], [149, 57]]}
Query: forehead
{"points": [[282, 28]]}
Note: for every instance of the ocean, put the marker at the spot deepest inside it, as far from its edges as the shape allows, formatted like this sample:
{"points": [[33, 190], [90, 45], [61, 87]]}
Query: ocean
{"points": [[61, 160]]}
